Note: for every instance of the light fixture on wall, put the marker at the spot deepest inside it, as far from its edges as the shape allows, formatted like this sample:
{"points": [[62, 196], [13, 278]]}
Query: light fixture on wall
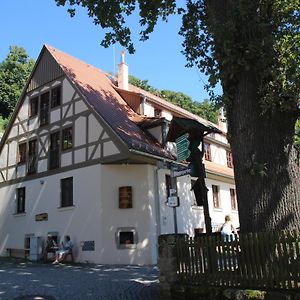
{"points": [[42, 181]]}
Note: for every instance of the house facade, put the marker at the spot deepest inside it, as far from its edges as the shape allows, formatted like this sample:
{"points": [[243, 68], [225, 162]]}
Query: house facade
{"points": [[85, 156]]}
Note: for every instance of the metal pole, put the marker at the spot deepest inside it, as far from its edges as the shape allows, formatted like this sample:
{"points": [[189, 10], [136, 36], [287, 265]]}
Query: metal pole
{"points": [[174, 186]]}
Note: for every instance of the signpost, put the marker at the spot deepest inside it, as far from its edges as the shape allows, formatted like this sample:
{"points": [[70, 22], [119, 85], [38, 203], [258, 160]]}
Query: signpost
{"points": [[182, 145]]}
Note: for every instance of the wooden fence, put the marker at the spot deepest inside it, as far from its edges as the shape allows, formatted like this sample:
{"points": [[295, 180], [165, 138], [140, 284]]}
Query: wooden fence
{"points": [[258, 260]]}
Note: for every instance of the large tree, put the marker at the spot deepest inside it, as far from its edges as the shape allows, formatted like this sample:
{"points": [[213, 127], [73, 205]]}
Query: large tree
{"points": [[253, 48], [14, 72]]}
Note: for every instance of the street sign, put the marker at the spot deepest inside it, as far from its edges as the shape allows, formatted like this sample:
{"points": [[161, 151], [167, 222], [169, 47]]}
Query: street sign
{"points": [[182, 145], [182, 172]]}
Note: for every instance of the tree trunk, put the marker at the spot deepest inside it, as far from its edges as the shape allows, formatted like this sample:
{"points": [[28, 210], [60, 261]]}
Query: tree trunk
{"points": [[265, 162], [267, 174]]}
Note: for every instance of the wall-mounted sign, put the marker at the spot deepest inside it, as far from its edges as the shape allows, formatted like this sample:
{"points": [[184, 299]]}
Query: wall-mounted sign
{"points": [[41, 217]]}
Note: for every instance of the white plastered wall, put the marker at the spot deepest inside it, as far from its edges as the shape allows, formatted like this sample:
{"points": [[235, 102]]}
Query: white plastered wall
{"points": [[94, 217], [189, 215]]}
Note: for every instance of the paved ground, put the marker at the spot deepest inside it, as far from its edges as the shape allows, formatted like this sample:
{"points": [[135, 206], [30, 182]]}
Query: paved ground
{"points": [[19, 279]]}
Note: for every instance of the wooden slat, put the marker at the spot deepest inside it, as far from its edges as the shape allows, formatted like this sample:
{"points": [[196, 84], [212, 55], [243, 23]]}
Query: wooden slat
{"points": [[260, 260]]}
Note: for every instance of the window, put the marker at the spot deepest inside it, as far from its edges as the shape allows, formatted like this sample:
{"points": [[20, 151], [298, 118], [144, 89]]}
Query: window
{"points": [[44, 109], [66, 192], [216, 199], [22, 153], [233, 199], [32, 156], [54, 150], [126, 238], [207, 152], [229, 159], [55, 97], [67, 138], [168, 185], [196, 188], [20, 200], [33, 106], [157, 113], [125, 197]]}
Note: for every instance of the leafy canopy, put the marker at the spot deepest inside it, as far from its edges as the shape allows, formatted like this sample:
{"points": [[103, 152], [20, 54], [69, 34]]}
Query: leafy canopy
{"points": [[222, 38], [14, 72], [205, 109]]}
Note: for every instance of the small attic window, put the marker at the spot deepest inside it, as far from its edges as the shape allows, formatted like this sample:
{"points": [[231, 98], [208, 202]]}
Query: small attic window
{"points": [[157, 112]]}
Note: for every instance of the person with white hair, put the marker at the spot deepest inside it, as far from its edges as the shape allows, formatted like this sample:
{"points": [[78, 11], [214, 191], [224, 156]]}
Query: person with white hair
{"points": [[228, 231]]}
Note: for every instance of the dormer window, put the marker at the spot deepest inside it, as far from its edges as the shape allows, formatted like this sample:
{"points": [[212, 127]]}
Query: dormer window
{"points": [[229, 159], [55, 97], [207, 152], [157, 112]]}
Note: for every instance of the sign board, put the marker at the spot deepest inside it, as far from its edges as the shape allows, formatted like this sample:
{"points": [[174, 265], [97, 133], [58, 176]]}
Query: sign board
{"points": [[173, 201], [172, 192], [182, 145], [41, 217], [182, 172]]}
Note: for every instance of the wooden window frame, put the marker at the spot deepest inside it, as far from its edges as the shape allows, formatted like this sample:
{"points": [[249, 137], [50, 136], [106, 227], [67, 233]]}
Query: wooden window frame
{"points": [[22, 157], [66, 195], [20, 207], [125, 197], [67, 142], [233, 199], [32, 156], [56, 96], [44, 111], [33, 102], [216, 196], [54, 152], [207, 152], [229, 159]]}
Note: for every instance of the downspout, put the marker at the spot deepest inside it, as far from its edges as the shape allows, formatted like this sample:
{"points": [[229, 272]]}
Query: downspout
{"points": [[157, 205]]}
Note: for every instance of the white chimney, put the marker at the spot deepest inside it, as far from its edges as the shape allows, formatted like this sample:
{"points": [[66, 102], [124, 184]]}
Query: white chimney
{"points": [[123, 73], [222, 122]]}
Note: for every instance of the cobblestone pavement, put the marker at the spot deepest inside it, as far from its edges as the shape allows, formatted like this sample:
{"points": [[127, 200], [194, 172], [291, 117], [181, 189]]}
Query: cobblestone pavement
{"points": [[78, 281]]}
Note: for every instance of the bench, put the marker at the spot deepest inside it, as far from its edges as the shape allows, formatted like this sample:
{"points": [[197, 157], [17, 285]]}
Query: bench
{"points": [[69, 255], [25, 252]]}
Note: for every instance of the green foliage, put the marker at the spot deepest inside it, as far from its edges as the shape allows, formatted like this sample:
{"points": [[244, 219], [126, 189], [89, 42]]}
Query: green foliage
{"points": [[111, 15], [14, 72], [258, 37], [222, 38], [205, 109], [3, 123]]}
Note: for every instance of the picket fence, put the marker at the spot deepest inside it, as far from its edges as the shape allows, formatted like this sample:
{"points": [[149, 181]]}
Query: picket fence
{"points": [[265, 260]]}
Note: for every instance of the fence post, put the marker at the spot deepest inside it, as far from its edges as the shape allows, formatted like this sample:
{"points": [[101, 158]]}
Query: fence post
{"points": [[167, 262]]}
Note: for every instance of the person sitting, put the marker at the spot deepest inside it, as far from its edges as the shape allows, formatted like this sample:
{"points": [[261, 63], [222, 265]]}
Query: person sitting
{"points": [[228, 230], [49, 247], [66, 248]]}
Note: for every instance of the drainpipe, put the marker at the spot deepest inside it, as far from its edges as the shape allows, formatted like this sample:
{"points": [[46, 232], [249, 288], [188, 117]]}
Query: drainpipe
{"points": [[157, 206]]}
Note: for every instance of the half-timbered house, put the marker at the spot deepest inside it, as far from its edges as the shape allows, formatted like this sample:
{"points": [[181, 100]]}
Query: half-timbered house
{"points": [[84, 155]]}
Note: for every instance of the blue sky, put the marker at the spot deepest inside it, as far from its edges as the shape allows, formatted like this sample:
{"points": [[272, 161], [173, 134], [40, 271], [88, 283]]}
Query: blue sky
{"points": [[32, 23]]}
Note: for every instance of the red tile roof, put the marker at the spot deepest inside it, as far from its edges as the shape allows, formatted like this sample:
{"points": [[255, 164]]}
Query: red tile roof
{"points": [[100, 93]]}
